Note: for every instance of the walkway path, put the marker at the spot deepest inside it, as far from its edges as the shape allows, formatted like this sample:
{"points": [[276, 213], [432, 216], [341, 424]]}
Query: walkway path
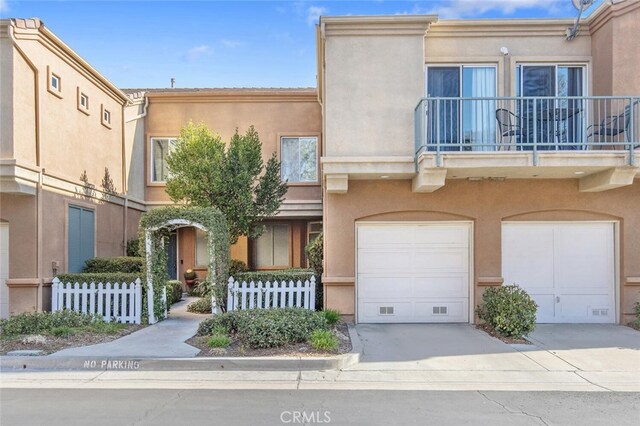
{"points": [[162, 340]]}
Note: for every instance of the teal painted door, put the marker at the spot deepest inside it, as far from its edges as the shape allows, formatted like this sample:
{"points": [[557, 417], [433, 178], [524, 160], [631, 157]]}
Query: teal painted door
{"points": [[80, 238]]}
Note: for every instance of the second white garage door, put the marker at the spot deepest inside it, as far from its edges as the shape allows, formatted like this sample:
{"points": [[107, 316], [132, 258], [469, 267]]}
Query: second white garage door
{"points": [[567, 268], [413, 272]]}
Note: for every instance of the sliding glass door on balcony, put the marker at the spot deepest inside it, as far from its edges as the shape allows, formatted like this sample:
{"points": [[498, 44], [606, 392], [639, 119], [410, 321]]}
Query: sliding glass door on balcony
{"points": [[556, 120], [460, 109]]}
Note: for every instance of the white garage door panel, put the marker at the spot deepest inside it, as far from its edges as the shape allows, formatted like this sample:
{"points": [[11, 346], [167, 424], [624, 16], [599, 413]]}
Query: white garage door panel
{"points": [[441, 286], [535, 252], [413, 272], [441, 259], [377, 260], [568, 268], [546, 305], [384, 287]]}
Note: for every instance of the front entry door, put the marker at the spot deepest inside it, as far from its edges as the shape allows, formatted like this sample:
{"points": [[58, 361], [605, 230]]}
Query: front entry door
{"points": [[172, 256]]}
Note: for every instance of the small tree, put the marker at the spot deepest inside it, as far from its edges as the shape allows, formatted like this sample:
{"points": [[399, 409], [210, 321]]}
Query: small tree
{"points": [[235, 180]]}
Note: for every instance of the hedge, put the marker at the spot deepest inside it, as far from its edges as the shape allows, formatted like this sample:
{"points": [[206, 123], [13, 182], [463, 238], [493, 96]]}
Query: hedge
{"points": [[174, 291], [279, 275], [115, 264], [267, 328], [101, 277]]}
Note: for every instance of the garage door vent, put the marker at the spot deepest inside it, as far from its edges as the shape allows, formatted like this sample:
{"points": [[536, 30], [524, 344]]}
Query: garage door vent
{"points": [[386, 310], [439, 310], [600, 312]]}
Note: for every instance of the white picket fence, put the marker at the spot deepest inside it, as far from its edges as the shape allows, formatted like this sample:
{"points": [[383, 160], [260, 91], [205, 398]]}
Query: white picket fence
{"points": [[269, 295], [119, 302]]}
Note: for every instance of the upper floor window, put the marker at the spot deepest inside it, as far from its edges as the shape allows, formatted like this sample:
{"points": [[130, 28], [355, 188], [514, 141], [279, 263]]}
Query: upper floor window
{"points": [[83, 102], [160, 149], [54, 83], [105, 117], [550, 80], [299, 159], [469, 123]]}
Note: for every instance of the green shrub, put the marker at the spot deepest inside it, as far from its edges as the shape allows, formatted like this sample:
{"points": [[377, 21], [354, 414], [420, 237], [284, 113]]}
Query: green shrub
{"points": [[332, 316], [102, 327], [267, 328], [218, 341], [124, 264], [133, 248], [509, 309], [636, 307], [41, 322], [313, 251], [236, 266], [102, 277], [200, 306], [323, 340], [174, 291], [218, 324], [62, 331], [294, 274]]}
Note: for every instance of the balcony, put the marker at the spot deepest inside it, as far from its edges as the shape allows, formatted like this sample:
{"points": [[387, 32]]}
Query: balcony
{"points": [[594, 138]]}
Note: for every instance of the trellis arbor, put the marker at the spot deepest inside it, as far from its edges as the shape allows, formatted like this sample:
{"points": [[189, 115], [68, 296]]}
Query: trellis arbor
{"points": [[154, 228]]}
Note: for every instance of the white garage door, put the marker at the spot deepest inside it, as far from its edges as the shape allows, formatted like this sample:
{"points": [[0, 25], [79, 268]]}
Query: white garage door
{"points": [[4, 270], [568, 269], [417, 272]]}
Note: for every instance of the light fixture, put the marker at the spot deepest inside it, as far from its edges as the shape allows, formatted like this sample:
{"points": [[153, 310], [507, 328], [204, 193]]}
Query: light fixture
{"points": [[504, 50], [578, 173], [384, 177]]}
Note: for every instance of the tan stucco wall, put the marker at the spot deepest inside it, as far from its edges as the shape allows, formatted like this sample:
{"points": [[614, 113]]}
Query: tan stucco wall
{"points": [[373, 84], [487, 204], [6, 97], [70, 141], [273, 115], [616, 53], [19, 211]]}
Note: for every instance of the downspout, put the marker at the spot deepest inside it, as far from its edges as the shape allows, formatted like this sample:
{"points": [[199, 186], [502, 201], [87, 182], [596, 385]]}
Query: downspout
{"points": [[39, 204], [124, 183], [144, 111]]}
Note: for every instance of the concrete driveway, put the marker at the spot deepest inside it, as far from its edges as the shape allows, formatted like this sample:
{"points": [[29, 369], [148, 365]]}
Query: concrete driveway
{"points": [[556, 347], [591, 347], [436, 347]]}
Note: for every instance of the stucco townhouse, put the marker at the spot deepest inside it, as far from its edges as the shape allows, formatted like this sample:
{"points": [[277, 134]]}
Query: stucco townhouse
{"points": [[462, 154], [439, 157]]}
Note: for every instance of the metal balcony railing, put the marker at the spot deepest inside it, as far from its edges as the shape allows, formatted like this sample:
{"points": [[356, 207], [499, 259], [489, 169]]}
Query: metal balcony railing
{"points": [[534, 124]]}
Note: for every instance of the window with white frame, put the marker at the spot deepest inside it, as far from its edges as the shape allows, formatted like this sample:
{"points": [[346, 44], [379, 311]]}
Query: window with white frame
{"points": [[271, 249], [106, 116], [299, 159], [83, 102], [202, 253], [160, 149], [54, 83], [314, 229]]}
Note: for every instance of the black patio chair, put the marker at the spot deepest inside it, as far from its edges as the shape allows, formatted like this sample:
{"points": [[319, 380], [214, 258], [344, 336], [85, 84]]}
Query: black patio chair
{"points": [[613, 125], [508, 126]]}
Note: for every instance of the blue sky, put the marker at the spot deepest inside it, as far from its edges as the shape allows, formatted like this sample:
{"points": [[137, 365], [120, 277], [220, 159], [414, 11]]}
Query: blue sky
{"points": [[228, 43]]}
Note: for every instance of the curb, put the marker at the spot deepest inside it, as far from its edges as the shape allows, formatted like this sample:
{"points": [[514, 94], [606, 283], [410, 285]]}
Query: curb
{"points": [[50, 363]]}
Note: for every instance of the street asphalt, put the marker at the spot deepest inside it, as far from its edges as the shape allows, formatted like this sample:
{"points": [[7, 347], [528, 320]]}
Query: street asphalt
{"points": [[69, 407]]}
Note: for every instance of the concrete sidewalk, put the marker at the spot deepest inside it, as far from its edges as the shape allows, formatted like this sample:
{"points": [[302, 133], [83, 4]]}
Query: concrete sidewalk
{"points": [[162, 340]]}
